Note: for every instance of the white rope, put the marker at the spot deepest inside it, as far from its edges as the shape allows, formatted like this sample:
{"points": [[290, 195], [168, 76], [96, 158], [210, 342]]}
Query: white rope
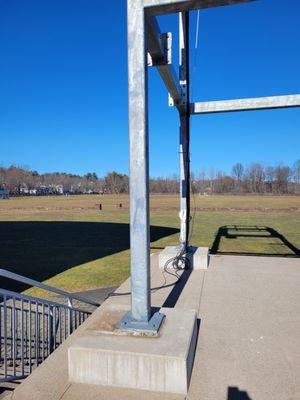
{"points": [[196, 47], [197, 30]]}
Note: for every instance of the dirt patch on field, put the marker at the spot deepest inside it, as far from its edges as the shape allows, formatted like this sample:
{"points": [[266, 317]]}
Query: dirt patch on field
{"points": [[48, 208], [234, 209], [166, 208], [70, 208]]}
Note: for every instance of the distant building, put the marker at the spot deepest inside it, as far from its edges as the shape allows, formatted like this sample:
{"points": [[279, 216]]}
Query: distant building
{"points": [[24, 190], [4, 194], [59, 189], [43, 191]]}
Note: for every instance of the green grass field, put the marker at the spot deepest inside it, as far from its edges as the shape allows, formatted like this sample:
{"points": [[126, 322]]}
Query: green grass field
{"points": [[69, 243]]}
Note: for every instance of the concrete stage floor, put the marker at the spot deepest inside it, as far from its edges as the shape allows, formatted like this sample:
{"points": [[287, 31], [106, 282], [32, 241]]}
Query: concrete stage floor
{"points": [[249, 342], [249, 336]]}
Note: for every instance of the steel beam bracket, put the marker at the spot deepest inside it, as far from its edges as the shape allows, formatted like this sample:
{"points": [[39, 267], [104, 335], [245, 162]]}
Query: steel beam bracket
{"points": [[180, 104], [184, 94], [165, 40]]}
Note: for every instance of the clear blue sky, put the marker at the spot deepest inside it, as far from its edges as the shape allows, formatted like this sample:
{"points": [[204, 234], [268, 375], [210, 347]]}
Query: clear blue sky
{"points": [[63, 86]]}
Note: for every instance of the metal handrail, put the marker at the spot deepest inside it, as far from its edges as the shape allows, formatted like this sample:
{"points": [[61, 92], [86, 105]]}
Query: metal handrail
{"points": [[31, 328], [28, 281], [39, 300]]}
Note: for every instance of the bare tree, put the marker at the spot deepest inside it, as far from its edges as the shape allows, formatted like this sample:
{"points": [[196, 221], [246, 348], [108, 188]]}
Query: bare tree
{"points": [[283, 174], [202, 181], [237, 173], [296, 175], [211, 177], [270, 179], [255, 178]]}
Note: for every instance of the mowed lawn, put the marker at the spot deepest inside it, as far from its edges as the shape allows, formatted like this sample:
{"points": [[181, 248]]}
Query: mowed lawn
{"points": [[68, 242]]}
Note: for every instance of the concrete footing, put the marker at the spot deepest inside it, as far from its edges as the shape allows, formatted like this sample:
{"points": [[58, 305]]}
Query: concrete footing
{"points": [[160, 364], [198, 257]]}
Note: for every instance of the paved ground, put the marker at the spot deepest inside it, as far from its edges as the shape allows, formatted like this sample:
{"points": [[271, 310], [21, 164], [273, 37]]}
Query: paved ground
{"points": [[7, 388], [249, 342], [249, 338]]}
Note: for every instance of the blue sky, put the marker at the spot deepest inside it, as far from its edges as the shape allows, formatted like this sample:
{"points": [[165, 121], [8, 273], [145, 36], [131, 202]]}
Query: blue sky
{"points": [[63, 86]]}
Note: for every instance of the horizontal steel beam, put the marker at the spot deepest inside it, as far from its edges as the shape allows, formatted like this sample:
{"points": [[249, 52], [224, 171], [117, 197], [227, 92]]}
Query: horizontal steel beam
{"points": [[157, 52], [168, 74], [159, 7], [251, 104], [155, 45]]}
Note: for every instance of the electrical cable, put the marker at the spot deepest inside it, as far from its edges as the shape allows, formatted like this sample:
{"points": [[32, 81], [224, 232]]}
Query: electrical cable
{"points": [[194, 213], [179, 262]]}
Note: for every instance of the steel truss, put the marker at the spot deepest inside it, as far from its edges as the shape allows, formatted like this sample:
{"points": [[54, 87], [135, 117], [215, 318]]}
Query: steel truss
{"points": [[147, 47]]}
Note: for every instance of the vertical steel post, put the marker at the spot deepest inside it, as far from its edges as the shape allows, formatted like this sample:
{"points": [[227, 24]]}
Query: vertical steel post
{"points": [[184, 129], [140, 317], [139, 161]]}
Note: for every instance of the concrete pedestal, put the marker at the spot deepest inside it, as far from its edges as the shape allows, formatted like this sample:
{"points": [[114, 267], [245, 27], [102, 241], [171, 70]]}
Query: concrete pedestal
{"points": [[162, 364], [201, 258], [198, 257]]}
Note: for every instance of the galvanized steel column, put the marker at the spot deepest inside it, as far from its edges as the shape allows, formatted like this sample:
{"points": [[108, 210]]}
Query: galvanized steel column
{"points": [[184, 129], [139, 162]]}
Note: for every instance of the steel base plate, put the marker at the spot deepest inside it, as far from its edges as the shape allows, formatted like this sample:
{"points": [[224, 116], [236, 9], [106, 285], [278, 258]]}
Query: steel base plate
{"points": [[151, 327]]}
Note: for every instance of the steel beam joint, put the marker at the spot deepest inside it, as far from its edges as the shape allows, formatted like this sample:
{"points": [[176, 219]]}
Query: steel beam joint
{"points": [[165, 57]]}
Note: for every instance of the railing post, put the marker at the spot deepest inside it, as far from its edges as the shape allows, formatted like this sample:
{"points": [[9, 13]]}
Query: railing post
{"points": [[14, 336], [37, 333], [70, 316], [5, 334], [50, 330]]}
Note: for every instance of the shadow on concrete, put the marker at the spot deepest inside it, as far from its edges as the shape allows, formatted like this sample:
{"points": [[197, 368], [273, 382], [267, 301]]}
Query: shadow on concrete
{"points": [[41, 250], [5, 391], [178, 287], [191, 367], [6, 388], [259, 232], [234, 393]]}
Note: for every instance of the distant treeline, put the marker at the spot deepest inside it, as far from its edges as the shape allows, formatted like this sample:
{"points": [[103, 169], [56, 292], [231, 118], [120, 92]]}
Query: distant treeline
{"points": [[255, 178]]}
